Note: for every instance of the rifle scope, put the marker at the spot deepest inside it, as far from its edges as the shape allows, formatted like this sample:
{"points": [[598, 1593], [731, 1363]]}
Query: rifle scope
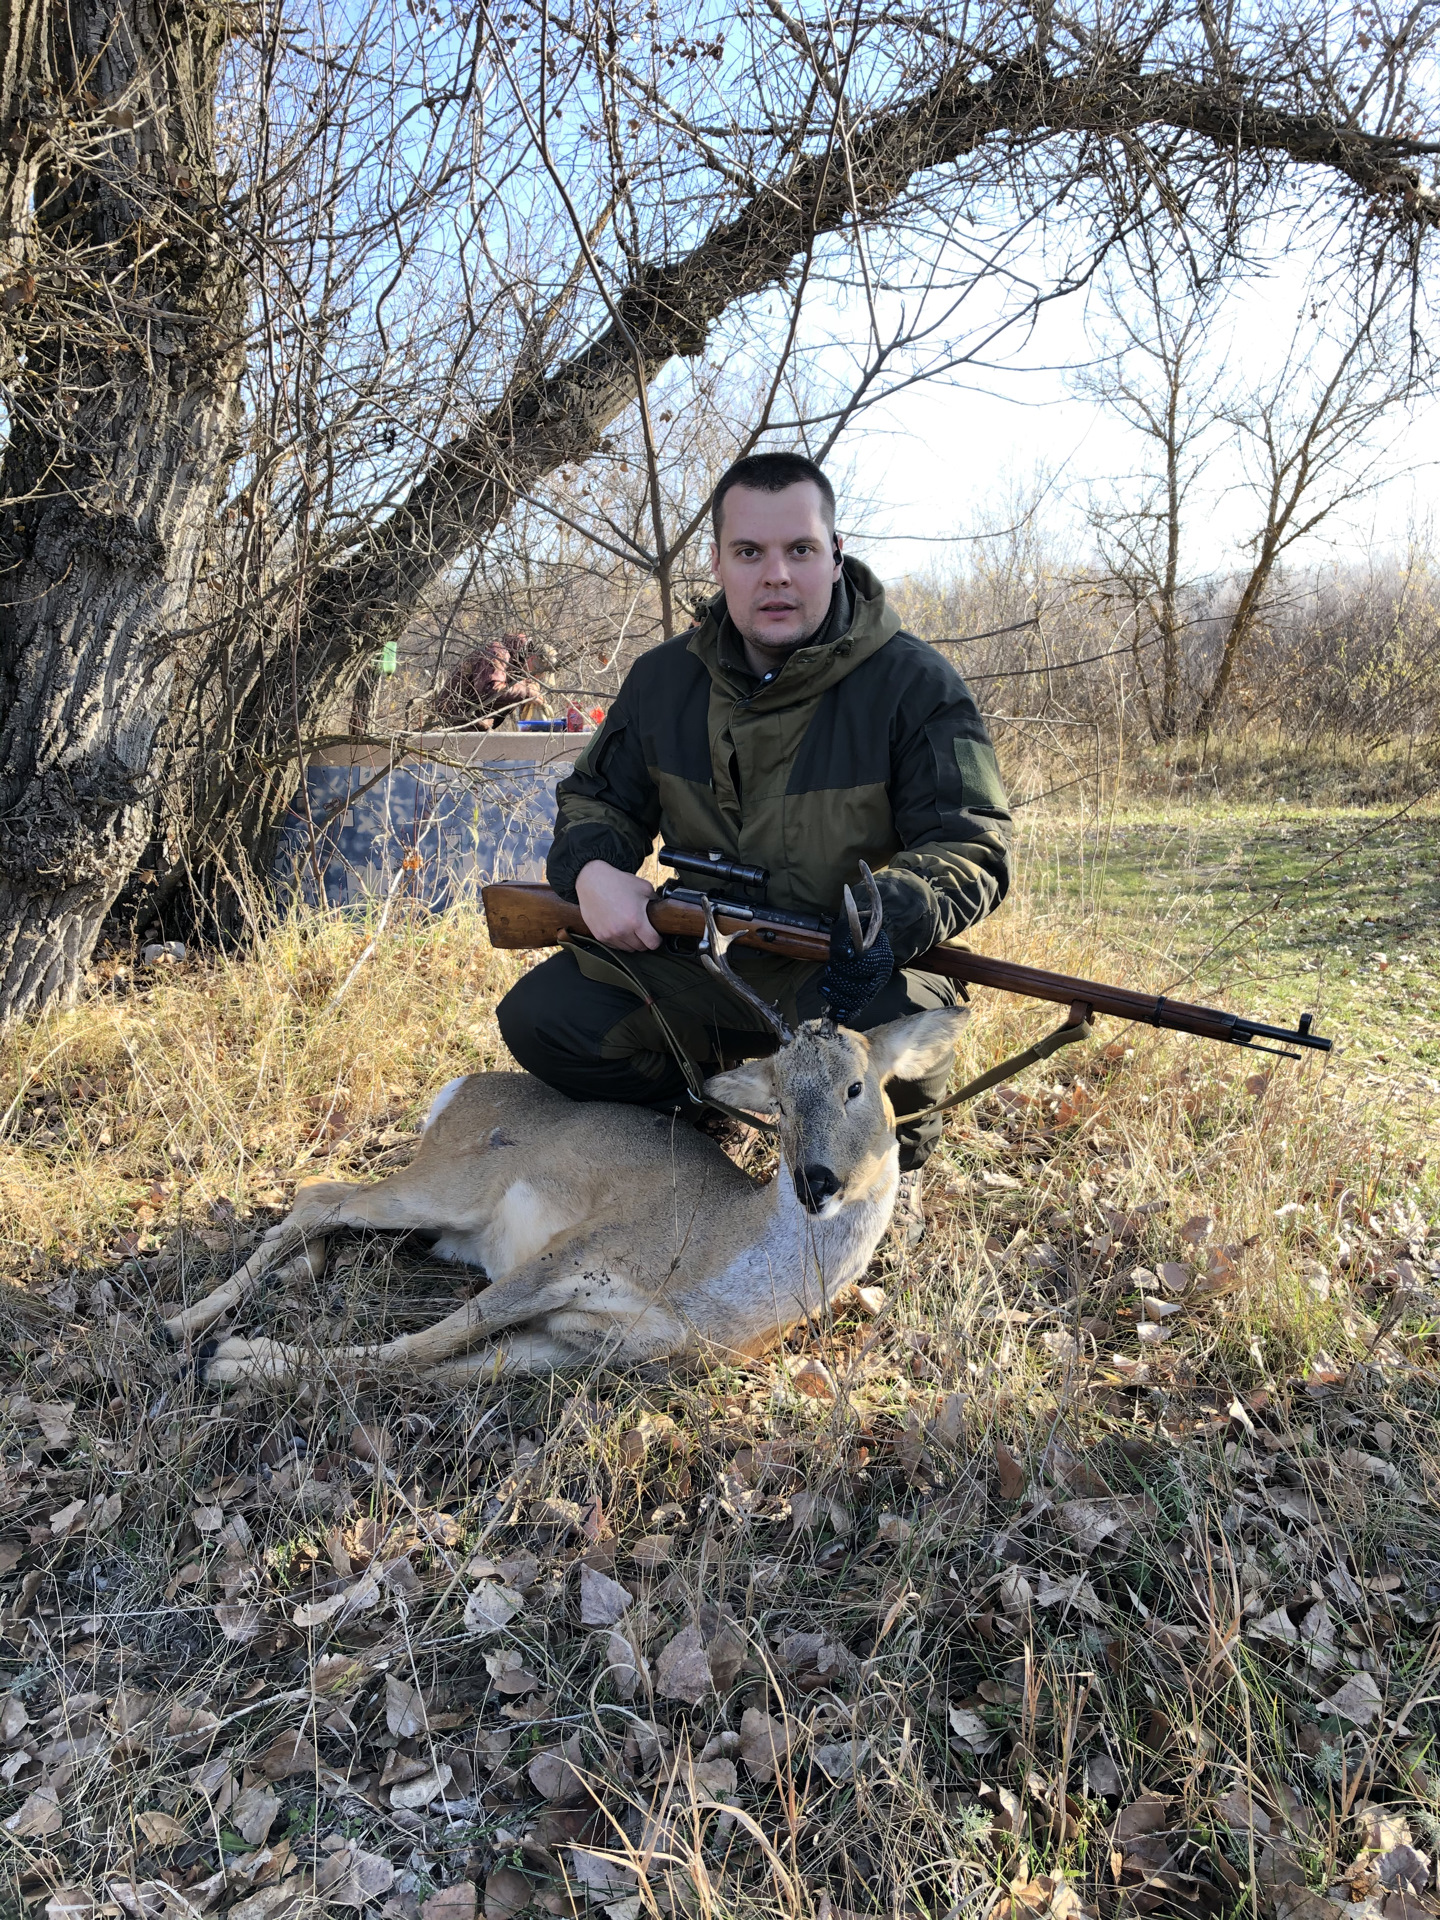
{"points": [[714, 866]]}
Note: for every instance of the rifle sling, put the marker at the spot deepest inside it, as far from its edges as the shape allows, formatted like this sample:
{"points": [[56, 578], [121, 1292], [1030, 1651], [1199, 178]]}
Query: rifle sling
{"points": [[610, 959], [1077, 1027]]}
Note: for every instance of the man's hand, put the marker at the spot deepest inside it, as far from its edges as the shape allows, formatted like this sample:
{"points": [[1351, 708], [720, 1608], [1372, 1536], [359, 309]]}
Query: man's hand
{"points": [[852, 979], [613, 903]]}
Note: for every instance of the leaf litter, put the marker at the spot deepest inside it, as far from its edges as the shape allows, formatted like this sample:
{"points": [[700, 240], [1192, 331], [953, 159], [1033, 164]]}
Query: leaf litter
{"points": [[990, 1604]]}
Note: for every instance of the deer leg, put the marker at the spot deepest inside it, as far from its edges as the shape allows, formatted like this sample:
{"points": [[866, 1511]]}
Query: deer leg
{"points": [[388, 1205], [527, 1295], [527, 1350], [309, 1264]]}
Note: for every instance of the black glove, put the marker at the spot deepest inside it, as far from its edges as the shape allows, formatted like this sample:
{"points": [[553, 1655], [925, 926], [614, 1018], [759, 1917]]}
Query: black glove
{"points": [[852, 978]]}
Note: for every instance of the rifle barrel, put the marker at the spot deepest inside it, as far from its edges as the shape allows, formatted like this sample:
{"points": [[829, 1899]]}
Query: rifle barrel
{"points": [[527, 914]]}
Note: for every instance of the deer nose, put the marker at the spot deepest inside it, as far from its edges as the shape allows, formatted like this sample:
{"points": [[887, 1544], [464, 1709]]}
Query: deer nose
{"points": [[814, 1185]]}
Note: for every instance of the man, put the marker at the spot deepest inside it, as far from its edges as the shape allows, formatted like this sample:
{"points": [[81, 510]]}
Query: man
{"points": [[797, 728], [494, 685]]}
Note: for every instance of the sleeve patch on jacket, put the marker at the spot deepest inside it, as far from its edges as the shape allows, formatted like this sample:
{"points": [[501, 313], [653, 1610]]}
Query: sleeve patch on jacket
{"points": [[980, 775]]}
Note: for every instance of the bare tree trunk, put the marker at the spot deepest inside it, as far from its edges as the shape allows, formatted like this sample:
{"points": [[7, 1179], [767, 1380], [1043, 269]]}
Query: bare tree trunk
{"points": [[1242, 622], [110, 477]]}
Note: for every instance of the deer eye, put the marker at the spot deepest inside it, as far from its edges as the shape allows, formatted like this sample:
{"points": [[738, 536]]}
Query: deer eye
{"points": [[856, 1091]]}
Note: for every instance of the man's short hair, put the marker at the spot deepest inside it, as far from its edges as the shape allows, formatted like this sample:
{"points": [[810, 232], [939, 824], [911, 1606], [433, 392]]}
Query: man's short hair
{"points": [[772, 473]]}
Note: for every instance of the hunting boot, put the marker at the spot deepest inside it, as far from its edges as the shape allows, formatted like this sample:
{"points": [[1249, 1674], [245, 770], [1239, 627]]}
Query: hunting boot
{"points": [[907, 1223]]}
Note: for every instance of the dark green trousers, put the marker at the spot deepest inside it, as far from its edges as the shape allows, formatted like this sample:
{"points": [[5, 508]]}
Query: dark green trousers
{"points": [[595, 1039]]}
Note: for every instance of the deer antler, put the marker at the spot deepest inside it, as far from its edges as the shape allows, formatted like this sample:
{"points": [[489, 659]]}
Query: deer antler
{"points": [[866, 936], [713, 949]]}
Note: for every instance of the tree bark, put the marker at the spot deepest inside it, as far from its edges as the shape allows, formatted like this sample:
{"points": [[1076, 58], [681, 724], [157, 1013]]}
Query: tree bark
{"points": [[109, 480]]}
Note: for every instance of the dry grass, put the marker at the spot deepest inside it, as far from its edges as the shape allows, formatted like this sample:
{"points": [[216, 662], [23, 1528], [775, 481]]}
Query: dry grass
{"points": [[997, 1601]]}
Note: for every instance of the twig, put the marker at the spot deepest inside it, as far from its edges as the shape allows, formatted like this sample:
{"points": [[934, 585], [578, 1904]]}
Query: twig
{"points": [[344, 986]]}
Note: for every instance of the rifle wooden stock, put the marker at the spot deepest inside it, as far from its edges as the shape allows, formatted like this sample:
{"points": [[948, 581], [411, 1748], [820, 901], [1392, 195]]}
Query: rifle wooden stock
{"points": [[522, 913], [526, 914]]}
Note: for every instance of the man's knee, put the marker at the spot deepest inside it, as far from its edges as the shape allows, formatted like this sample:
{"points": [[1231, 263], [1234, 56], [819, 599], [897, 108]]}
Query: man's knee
{"points": [[521, 1018], [556, 1022]]}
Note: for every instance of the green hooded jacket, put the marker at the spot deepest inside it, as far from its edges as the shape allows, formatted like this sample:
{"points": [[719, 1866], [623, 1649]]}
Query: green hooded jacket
{"points": [[865, 745]]}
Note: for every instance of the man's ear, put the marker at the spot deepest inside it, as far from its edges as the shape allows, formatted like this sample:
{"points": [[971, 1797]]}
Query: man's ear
{"points": [[919, 1044], [714, 561], [751, 1086]]}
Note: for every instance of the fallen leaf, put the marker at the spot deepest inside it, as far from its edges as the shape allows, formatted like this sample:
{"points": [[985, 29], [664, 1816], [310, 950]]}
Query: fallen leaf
{"points": [[71, 1903], [1240, 1813], [598, 1874], [287, 1754], [53, 1419], [490, 1608], [455, 1902], [39, 1816], [63, 1521], [841, 1759], [240, 1621], [764, 1743], [405, 1714], [426, 1787], [316, 1613], [1012, 1474], [373, 1443], [162, 1829], [506, 1894], [682, 1670], [1382, 1828], [1403, 1863], [1074, 1590], [717, 1778], [651, 1551], [971, 1732], [625, 1663], [892, 1530], [1090, 1523], [253, 1814], [337, 1673], [814, 1378], [508, 1670], [189, 1729], [602, 1600], [1145, 1815], [351, 1878], [13, 1717], [1102, 1776], [553, 1773], [1357, 1701]]}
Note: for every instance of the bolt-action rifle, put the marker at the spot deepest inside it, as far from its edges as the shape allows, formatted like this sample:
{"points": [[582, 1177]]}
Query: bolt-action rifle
{"points": [[523, 913]]}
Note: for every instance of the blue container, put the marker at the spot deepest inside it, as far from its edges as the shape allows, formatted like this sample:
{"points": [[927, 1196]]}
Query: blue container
{"points": [[455, 827]]}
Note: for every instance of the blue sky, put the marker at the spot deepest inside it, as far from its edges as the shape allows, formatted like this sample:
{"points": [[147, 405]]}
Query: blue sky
{"points": [[943, 456]]}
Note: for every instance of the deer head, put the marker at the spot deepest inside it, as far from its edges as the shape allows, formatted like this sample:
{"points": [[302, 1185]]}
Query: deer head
{"points": [[825, 1089]]}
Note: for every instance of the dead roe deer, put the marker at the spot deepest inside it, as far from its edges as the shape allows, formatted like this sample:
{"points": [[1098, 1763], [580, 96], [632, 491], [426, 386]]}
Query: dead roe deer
{"points": [[615, 1233]]}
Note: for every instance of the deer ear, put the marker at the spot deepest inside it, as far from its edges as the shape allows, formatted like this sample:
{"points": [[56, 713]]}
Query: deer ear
{"points": [[751, 1087], [919, 1044]]}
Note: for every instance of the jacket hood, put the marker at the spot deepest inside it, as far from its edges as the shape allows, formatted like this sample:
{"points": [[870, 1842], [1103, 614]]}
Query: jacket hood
{"points": [[809, 670]]}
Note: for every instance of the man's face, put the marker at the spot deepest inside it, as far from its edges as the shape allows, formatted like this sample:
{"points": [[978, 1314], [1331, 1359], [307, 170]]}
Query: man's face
{"points": [[775, 563]]}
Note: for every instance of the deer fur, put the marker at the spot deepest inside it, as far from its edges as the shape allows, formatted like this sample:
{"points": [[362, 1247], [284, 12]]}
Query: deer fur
{"points": [[613, 1233]]}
